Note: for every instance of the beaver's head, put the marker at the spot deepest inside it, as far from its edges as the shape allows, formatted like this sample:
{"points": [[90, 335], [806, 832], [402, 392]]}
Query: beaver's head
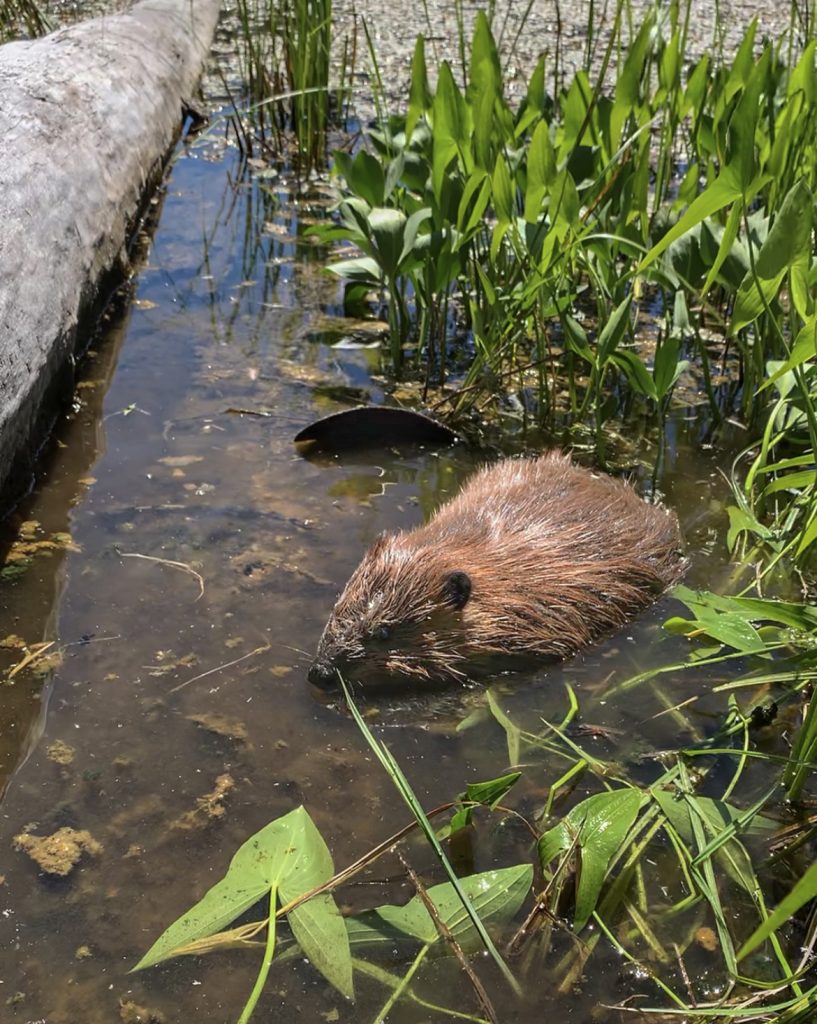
{"points": [[399, 614]]}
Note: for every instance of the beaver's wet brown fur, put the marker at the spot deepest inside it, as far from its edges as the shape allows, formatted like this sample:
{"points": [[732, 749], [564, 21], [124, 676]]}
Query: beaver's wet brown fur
{"points": [[535, 556]]}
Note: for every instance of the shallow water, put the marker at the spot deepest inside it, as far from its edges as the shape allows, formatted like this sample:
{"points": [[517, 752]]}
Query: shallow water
{"points": [[205, 555]]}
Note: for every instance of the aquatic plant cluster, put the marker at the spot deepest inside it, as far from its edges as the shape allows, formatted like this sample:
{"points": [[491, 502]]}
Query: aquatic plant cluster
{"points": [[514, 251]]}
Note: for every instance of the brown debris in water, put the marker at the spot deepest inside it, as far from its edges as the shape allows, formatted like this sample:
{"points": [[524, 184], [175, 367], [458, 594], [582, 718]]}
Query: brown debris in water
{"points": [[707, 939], [221, 725], [137, 815], [60, 753], [28, 543], [167, 663], [59, 853], [208, 807], [132, 1013], [12, 642]]}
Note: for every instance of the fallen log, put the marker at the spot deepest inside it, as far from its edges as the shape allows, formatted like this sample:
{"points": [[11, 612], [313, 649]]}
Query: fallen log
{"points": [[87, 117]]}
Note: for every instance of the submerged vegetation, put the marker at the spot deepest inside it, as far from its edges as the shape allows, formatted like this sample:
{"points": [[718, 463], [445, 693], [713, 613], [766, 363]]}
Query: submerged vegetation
{"points": [[675, 861]]}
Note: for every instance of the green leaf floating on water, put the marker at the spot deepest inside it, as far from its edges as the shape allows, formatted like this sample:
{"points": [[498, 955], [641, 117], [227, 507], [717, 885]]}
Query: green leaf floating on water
{"points": [[286, 858], [596, 827], [495, 895]]}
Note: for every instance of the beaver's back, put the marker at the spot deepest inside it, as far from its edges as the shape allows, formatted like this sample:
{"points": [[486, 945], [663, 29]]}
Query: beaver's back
{"points": [[533, 555], [556, 554]]}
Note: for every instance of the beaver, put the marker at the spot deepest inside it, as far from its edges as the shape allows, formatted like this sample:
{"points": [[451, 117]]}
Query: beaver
{"points": [[533, 556]]}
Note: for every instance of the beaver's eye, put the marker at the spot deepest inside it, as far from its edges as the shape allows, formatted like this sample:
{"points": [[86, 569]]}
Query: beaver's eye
{"points": [[381, 633]]}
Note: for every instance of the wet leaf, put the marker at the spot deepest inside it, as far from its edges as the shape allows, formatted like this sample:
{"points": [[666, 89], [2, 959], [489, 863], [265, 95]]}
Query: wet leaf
{"points": [[491, 792], [289, 857], [495, 895], [596, 827]]}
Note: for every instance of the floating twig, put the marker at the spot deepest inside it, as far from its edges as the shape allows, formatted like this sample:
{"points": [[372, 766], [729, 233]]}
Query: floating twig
{"points": [[183, 566], [219, 668]]}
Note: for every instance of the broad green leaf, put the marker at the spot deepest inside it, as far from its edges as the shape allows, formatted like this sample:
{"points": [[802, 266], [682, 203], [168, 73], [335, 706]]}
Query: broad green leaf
{"points": [[743, 123], [629, 80], [471, 210], [717, 814], [732, 629], [502, 191], [482, 107], [807, 538], [804, 891], [362, 268], [289, 856], [564, 200], [725, 248], [668, 367], [803, 351], [387, 227], [316, 924], [364, 175], [725, 189], [576, 339], [637, 373], [495, 895], [597, 826], [491, 792], [755, 609], [792, 482], [741, 521], [534, 103], [451, 130], [410, 232], [541, 169], [717, 817], [787, 244], [484, 90], [574, 111], [613, 330]]}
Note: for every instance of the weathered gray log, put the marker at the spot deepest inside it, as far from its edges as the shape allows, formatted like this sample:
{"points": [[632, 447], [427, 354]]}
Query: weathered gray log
{"points": [[87, 117]]}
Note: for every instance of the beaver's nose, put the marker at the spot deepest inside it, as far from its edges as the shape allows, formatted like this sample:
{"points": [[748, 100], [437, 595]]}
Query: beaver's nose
{"points": [[322, 674]]}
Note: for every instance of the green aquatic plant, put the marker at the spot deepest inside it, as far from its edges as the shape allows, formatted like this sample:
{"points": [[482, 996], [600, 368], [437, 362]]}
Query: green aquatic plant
{"points": [[646, 858], [685, 186], [285, 70], [23, 19], [288, 863]]}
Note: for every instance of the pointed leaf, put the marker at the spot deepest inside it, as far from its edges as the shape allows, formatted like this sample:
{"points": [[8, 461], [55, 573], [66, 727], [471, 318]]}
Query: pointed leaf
{"points": [[788, 244], [598, 827], [804, 891], [495, 895]]}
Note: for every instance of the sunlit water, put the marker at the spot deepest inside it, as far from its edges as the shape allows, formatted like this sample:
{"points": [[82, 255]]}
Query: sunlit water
{"points": [[163, 459]]}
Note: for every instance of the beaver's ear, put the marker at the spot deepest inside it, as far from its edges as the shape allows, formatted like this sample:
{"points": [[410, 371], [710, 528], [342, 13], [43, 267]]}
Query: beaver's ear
{"points": [[457, 588]]}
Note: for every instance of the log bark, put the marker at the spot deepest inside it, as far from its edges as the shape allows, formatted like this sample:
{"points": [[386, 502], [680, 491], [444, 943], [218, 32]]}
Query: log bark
{"points": [[87, 118]]}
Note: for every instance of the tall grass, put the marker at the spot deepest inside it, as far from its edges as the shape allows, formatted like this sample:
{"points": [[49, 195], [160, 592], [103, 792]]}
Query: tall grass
{"points": [[22, 19], [285, 49]]}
